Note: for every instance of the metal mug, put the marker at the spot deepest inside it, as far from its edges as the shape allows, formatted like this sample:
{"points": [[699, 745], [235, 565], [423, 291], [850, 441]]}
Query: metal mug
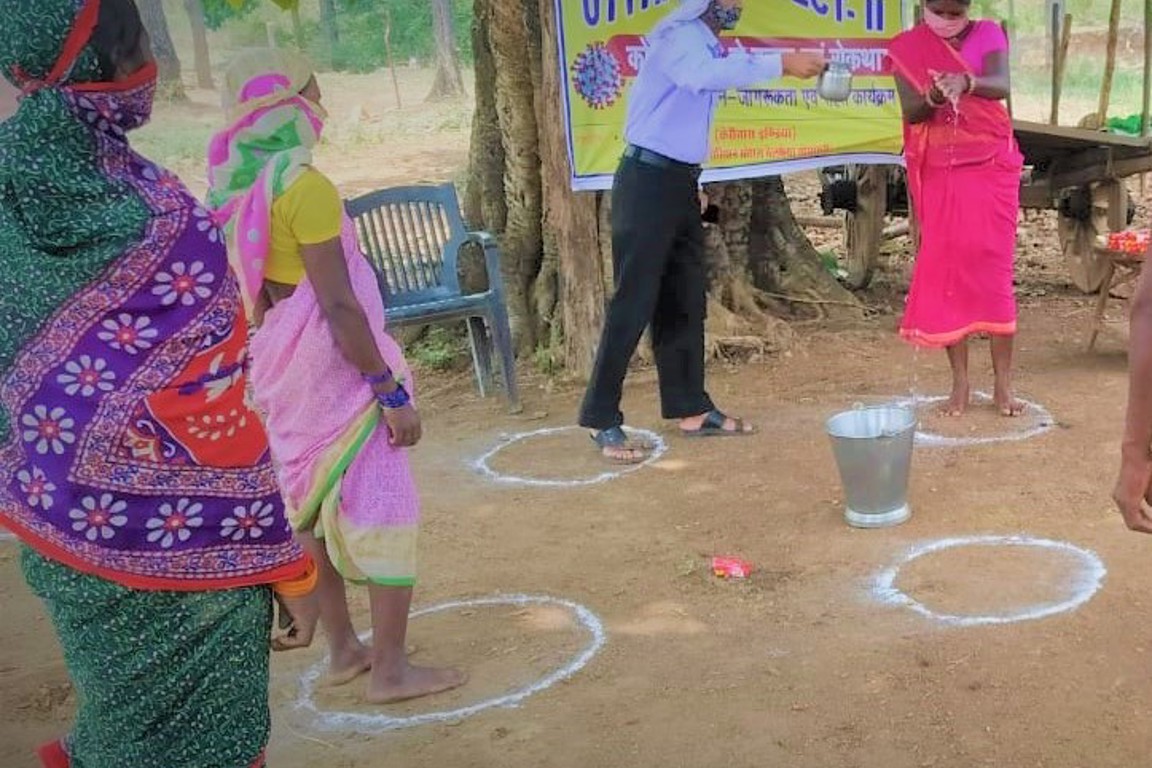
{"points": [[835, 82]]}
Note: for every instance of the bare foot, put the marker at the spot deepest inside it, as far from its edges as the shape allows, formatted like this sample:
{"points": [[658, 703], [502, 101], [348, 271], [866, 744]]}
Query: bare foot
{"points": [[957, 403], [298, 618], [1007, 404], [624, 454], [412, 683], [348, 665]]}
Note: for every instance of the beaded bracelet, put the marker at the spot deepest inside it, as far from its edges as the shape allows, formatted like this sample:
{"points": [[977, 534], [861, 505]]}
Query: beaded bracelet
{"points": [[971, 84], [397, 398]]}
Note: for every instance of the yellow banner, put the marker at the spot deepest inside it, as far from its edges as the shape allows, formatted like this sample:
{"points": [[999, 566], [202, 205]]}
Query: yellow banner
{"points": [[777, 127]]}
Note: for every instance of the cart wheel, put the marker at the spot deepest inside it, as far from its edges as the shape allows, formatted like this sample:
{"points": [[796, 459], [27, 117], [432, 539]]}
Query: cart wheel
{"points": [[863, 230], [1078, 233]]}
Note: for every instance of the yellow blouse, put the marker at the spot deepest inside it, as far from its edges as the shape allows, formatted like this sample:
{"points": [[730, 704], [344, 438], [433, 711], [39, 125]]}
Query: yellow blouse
{"points": [[308, 213]]}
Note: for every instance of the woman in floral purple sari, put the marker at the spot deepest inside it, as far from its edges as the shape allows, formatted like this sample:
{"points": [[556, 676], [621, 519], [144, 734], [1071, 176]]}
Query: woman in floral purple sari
{"points": [[130, 465]]}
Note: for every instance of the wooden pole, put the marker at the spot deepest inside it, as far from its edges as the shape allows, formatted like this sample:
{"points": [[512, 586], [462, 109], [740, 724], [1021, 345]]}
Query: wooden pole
{"points": [[1007, 27], [297, 26], [1061, 61], [1147, 89], [388, 53], [1054, 50], [1109, 64], [820, 222], [1011, 25]]}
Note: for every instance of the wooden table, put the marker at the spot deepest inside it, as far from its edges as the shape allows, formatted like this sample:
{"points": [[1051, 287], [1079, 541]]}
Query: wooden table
{"points": [[1120, 270]]}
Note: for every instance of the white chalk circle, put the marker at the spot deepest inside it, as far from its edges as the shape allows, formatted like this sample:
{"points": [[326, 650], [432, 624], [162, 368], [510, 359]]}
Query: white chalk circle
{"points": [[481, 465], [364, 722], [1084, 585], [1035, 417]]}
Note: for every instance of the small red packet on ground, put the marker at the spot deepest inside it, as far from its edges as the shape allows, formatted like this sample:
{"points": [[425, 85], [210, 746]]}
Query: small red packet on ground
{"points": [[731, 567]]}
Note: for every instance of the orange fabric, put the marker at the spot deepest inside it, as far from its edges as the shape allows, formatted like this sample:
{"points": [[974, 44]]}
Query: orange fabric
{"points": [[941, 340], [301, 585]]}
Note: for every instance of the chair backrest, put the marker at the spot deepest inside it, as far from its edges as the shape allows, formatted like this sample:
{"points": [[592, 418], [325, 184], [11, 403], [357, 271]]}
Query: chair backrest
{"points": [[412, 238]]}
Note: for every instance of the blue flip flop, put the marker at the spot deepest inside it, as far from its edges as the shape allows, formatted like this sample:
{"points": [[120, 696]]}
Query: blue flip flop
{"points": [[616, 437]]}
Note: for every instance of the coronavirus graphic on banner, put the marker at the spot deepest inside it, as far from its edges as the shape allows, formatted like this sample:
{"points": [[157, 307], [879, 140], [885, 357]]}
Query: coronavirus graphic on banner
{"points": [[596, 76]]}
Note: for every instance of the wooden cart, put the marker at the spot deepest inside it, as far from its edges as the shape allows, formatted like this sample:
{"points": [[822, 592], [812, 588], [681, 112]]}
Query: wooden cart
{"points": [[1076, 172]]}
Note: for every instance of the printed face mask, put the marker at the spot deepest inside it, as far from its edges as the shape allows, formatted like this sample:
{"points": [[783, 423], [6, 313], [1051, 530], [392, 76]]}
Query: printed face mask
{"points": [[725, 18], [122, 109], [945, 28]]}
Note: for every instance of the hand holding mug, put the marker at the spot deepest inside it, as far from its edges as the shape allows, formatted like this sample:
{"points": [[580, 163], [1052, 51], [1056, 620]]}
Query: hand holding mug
{"points": [[804, 65]]}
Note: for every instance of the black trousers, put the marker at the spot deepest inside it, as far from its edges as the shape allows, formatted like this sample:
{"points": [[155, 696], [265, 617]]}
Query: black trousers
{"points": [[660, 275]]}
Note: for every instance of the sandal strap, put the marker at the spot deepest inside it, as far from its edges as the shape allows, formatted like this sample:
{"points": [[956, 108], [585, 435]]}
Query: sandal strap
{"points": [[613, 437], [714, 419]]}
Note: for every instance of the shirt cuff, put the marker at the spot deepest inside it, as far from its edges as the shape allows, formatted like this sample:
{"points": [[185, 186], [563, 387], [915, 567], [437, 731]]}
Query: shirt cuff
{"points": [[771, 65]]}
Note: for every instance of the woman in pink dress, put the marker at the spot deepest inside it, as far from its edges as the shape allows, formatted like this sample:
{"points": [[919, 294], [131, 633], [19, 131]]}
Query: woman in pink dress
{"points": [[964, 178]]}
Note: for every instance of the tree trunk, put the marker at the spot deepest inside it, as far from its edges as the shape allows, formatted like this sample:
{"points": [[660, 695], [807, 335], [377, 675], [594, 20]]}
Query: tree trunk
{"points": [[556, 243], [484, 204], [509, 38], [171, 87], [449, 84], [571, 224], [760, 258], [195, 10], [328, 22]]}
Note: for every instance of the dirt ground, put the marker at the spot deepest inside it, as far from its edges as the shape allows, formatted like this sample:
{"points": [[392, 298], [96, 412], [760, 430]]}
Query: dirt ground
{"points": [[800, 665]]}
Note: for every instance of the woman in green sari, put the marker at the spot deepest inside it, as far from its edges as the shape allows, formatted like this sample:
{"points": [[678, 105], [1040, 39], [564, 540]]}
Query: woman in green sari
{"points": [[130, 466]]}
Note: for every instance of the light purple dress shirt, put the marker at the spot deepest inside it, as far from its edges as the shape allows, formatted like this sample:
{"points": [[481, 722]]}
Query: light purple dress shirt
{"points": [[674, 96]]}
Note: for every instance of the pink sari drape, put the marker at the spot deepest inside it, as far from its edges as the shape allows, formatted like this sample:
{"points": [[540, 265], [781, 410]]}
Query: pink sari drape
{"points": [[340, 476], [964, 180]]}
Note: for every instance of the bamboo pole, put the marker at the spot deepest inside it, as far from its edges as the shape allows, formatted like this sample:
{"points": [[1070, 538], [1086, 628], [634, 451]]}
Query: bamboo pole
{"points": [[820, 222], [388, 54], [1147, 89], [297, 27], [1011, 25], [1007, 27], [1109, 64], [1058, 69]]}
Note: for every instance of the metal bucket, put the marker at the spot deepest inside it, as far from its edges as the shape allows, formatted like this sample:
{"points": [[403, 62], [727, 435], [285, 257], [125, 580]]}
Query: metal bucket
{"points": [[873, 449]]}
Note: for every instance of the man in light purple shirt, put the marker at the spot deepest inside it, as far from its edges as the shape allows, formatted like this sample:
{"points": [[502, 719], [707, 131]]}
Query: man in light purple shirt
{"points": [[657, 235]]}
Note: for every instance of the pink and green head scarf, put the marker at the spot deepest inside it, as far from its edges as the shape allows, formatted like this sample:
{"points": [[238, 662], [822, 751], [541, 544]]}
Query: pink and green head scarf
{"points": [[265, 148]]}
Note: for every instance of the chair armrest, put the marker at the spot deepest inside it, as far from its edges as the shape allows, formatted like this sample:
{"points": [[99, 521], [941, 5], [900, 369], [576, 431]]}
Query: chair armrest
{"points": [[491, 259]]}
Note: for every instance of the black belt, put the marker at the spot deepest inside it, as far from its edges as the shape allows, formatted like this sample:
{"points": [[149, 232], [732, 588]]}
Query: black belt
{"points": [[657, 160]]}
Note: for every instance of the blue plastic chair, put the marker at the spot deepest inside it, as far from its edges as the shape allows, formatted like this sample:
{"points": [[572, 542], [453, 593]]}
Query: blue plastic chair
{"points": [[412, 237]]}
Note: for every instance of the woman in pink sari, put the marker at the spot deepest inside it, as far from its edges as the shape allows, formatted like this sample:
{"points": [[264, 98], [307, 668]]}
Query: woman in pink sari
{"points": [[332, 384], [964, 179]]}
